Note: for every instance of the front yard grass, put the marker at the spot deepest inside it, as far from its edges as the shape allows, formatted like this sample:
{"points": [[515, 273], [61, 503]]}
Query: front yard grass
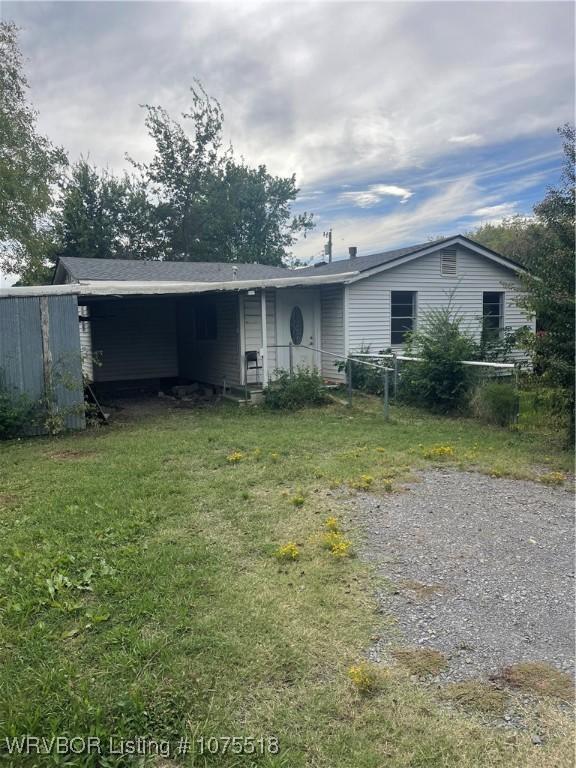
{"points": [[141, 594]]}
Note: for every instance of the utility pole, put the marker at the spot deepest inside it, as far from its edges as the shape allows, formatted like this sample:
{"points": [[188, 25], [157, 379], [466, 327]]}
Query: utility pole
{"points": [[328, 246]]}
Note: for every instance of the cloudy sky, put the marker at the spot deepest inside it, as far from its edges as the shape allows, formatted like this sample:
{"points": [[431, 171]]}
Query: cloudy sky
{"points": [[402, 121]]}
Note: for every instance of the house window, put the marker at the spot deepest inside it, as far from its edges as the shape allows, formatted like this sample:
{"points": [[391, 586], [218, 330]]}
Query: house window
{"points": [[492, 313], [296, 326], [448, 262], [403, 315], [206, 322]]}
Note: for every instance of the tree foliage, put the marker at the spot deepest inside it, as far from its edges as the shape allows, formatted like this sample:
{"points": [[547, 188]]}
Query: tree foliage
{"points": [[212, 207], [516, 237], [29, 166], [549, 286], [101, 215]]}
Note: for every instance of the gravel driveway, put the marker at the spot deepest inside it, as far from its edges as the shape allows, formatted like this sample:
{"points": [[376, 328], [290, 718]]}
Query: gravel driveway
{"points": [[481, 569]]}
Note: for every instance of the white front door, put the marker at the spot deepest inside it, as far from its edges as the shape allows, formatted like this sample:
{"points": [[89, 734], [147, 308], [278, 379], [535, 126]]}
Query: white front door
{"points": [[298, 313]]}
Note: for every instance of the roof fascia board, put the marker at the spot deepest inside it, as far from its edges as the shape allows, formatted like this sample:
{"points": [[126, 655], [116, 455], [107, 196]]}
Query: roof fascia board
{"points": [[67, 289], [133, 288], [463, 241], [129, 287]]}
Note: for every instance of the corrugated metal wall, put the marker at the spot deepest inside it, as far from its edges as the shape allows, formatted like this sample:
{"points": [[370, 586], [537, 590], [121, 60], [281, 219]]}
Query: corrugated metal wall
{"points": [[40, 345]]}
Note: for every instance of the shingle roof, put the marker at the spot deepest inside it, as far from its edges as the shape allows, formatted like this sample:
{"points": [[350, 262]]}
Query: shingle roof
{"points": [[165, 271], [362, 263]]}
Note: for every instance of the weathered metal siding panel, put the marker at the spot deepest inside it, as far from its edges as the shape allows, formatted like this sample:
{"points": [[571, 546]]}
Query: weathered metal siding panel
{"points": [[64, 334], [21, 347], [369, 299], [22, 354], [332, 330]]}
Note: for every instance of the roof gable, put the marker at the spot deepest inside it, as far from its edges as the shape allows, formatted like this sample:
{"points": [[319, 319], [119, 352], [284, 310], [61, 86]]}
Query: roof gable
{"points": [[377, 262]]}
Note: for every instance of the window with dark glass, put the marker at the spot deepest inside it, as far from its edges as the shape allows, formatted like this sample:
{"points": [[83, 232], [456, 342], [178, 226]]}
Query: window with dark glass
{"points": [[206, 322], [403, 315], [492, 312], [296, 326]]}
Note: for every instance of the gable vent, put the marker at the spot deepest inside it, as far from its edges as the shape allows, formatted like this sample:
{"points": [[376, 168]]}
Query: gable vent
{"points": [[448, 261]]}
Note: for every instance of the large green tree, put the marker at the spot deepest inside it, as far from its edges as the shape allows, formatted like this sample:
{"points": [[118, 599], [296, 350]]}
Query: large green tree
{"points": [[516, 237], [549, 286], [29, 168], [101, 215], [210, 206]]}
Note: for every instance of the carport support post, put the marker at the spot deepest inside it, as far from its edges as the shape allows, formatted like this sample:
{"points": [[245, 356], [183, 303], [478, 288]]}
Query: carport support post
{"points": [[264, 337], [46, 352], [386, 395]]}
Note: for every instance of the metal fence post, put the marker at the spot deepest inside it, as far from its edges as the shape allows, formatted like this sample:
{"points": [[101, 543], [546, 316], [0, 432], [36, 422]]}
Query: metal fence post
{"points": [[517, 387], [349, 380], [291, 359], [386, 395], [395, 375]]}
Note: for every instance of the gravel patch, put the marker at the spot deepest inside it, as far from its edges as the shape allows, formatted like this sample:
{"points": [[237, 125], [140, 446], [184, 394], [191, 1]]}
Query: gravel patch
{"points": [[479, 568]]}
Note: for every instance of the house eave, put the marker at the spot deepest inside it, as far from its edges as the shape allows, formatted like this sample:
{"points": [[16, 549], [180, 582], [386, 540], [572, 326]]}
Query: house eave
{"points": [[119, 288]]}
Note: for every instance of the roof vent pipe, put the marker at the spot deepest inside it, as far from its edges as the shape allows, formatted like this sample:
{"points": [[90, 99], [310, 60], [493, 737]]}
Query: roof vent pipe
{"points": [[353, 250]]}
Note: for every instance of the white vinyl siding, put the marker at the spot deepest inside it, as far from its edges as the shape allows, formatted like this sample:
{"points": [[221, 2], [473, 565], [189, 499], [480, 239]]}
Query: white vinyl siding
{"points": [[369, 304], [86, 343], [332, 330], [253, 331], [211, 361], [134, 339]]}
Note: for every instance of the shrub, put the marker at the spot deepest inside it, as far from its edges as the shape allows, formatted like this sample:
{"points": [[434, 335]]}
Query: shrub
{"points": [[496, 402], [364, 377], [289, 392], [440, 382], [16, 411]]}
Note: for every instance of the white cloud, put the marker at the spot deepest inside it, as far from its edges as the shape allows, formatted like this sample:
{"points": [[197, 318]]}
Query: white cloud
{"points": [[405, 226], [374, 194], [339, 92], [469, 138], [500, 211]]}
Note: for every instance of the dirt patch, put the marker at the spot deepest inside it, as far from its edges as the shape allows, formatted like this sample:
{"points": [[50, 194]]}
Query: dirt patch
{"points": [[542, 679], [8, 500], [420, 661], [422, 590], [72, 455], [475, 695]]}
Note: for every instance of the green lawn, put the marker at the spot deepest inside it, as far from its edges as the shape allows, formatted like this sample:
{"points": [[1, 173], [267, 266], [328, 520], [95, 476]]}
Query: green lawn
{"points": [[140, 595]]}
